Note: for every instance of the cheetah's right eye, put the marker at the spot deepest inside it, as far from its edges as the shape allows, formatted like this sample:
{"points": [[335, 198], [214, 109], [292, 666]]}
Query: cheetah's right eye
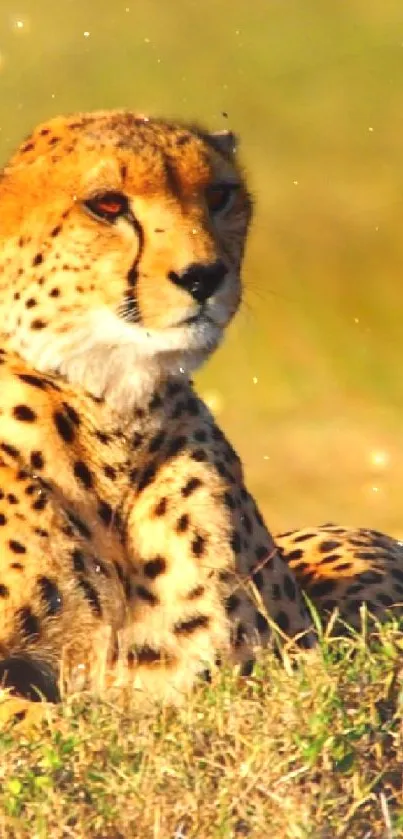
{"points": [[108, 206]]}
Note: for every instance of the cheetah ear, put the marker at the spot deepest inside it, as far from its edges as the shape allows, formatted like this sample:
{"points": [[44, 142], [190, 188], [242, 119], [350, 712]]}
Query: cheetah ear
{"points": [[226, 142]]}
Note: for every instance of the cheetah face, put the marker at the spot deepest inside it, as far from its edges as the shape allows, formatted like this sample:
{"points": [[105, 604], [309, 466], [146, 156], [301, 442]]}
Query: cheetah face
{"points": [[121, 250]]}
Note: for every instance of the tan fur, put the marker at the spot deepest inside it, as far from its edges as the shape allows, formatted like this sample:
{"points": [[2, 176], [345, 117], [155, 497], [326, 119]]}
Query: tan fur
{"points": [[147, 560], [132, 553]]}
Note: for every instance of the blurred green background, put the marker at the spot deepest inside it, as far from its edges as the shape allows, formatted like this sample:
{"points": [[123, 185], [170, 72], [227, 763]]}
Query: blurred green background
{"points": [[308, 384]]}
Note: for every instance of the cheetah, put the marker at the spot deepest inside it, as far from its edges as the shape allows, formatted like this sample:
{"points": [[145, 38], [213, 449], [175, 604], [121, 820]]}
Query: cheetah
{"points": [[132, 551], [131, 547]]}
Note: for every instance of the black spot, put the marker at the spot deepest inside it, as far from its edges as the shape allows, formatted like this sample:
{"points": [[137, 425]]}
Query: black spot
{"points": [[322, 588], [146, 595], [232, 603], [78, 561], [64, 426], [137, 439], [302, 537], [183, 523], [289, 588], [146, 655], [329, 545], [229, 501], [38, 323], [247, 670], [11, 450], [157, 442], [29, 623], [146, 478], [91, 595], [37, 461], [356, 588], [247, 523], [105, 512], [109, 472], [183, 139], [24, 413], [37, 260], [195, 593], [261, 623], [236, 542], [364, 554], [161, 508], [240, 636], [329, 605], [191, 625], [17, 547], [370, 577], [192, 406], [174, 388], [198, 545], [72, 414], [296, 554], [343, 566], [199, 455], [258, 580], [385, 599], [40, 503], [4, 592], [200, 436], [176, 445], [154, 567], [178, 410], [282, 621], [51, 595], [32, 680], [83, 474], [261, 553], [3, 519], [190, 486], [156, 402]]}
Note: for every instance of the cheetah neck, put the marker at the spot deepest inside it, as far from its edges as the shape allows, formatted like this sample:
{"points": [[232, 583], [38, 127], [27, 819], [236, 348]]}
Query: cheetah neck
{"points": [[106, 359]]}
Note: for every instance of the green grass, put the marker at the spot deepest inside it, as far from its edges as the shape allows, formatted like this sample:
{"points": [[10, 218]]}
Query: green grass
{"points": [[314, 751]]}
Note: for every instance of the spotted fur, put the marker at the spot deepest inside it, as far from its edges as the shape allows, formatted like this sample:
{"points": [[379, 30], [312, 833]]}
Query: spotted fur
{"points": [[343, 568], [131, 549]]}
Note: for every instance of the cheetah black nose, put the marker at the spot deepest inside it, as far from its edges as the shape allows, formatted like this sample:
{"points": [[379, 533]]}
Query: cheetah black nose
{"points": [[201, 281]]}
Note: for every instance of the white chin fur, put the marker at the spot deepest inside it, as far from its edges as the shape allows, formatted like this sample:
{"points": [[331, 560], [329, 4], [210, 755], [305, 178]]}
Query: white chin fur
{"points": [[124, 362]]}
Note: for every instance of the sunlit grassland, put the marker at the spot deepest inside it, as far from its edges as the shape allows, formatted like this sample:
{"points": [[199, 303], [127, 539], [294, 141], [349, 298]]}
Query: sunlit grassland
{"points": [[308, 385], [311, 753]]}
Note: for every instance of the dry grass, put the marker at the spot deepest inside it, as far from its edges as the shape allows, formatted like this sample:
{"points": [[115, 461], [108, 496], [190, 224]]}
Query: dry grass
{"points": [[314, 751]]}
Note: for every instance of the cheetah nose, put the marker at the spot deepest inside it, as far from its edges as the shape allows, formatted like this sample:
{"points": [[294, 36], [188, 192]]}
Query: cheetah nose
{"points": [[201, 281]]}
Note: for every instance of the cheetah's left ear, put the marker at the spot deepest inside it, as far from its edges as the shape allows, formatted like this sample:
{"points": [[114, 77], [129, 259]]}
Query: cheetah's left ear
{"points": [[226, 142]]}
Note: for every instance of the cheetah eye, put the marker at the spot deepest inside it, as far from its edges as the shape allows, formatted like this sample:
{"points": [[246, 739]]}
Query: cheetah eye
{"points": [[108, 206], [219, 197]]}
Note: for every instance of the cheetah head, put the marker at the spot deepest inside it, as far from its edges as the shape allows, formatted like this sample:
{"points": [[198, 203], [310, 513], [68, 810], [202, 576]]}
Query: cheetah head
{"points": [[120, 249]]}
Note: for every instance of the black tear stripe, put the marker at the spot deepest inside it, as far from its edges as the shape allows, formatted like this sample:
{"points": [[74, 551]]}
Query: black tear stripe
{"points": [[132, 306]]}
